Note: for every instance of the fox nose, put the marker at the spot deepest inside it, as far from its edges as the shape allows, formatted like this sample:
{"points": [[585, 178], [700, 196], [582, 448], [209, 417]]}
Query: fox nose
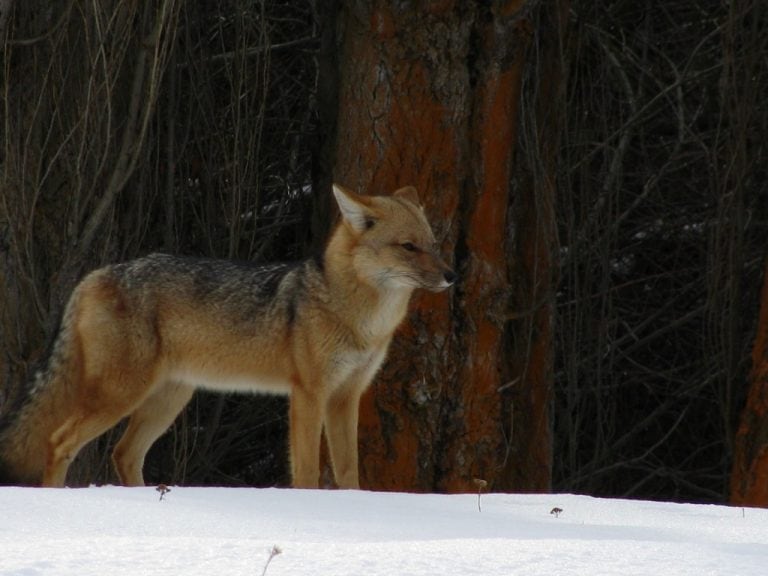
{"points": [[450, 276]]}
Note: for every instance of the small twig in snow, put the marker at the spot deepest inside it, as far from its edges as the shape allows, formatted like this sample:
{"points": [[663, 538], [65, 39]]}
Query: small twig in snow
{"points": [[163, 489], [481, 484], [276, 551]]}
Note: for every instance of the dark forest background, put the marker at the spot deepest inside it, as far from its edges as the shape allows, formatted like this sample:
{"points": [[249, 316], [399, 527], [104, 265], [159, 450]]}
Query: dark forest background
{"points": [[596, 172]]}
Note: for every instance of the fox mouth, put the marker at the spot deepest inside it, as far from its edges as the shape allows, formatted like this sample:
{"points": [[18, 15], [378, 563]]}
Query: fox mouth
{"points": [[439, 287], [446, 280], [436, 283]]}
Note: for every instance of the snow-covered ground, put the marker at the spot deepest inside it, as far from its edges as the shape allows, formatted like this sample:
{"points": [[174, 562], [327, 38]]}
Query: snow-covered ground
{"points": [[230, 532]]}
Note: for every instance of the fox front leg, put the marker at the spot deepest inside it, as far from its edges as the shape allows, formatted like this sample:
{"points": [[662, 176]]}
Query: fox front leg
{"points": [[306, 428], [341, 431]]}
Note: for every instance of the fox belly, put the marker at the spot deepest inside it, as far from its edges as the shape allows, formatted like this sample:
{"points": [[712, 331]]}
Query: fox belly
{"points": [[232, 382]]}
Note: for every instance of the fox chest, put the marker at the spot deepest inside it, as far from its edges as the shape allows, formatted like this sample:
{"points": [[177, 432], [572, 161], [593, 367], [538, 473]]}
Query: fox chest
{"points": [[355, 367]]}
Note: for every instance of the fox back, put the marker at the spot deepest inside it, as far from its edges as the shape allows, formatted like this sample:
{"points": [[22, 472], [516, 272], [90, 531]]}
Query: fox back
{"points": [[137, 338]]}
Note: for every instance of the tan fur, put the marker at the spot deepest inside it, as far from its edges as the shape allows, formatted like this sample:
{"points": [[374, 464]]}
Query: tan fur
{"points": [[137, 338]]}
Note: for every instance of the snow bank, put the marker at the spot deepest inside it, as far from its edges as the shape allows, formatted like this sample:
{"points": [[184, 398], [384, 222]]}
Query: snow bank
{"points": [[223, 531]]}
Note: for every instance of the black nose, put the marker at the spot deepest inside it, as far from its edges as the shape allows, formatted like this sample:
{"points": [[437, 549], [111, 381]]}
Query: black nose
{"points": [[450, 276]]}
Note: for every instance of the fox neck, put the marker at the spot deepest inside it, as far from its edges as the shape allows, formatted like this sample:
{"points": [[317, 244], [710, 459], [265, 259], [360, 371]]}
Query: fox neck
{"points": [[372, 311]]}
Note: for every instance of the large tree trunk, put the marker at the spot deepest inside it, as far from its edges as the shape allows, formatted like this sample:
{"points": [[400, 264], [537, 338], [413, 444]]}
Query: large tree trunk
{"points": [[429, 96], [749, 477]]}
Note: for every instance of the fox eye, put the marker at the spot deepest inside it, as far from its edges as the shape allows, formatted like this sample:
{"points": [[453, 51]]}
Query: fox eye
{"points": [[369, 222], [409, 246]]}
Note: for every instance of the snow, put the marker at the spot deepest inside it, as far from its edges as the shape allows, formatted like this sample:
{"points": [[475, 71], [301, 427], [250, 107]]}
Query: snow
{"points": [[111, 531]]}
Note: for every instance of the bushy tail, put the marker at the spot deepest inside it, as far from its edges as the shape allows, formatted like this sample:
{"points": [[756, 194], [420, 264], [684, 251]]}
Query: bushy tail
{"points": [[23, 439], [25, 433]]}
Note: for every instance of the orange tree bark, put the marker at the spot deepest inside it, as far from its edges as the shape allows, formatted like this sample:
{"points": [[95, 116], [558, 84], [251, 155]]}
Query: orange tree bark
{"points": [[749, 477], [429, 95]]}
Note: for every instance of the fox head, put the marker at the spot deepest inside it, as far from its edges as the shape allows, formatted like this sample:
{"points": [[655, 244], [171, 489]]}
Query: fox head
{"points": [[391, 242]]}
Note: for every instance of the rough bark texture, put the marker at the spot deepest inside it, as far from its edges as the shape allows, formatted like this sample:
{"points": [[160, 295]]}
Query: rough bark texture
{"points": [[749, 478], [429, 96]]}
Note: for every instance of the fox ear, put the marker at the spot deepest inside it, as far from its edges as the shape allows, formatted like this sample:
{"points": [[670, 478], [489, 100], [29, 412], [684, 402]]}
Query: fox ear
{"points": [[408, 193], [353, 209]]}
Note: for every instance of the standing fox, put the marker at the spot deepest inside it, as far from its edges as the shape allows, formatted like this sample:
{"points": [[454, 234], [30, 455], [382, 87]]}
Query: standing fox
{"points": [[137, 338]]}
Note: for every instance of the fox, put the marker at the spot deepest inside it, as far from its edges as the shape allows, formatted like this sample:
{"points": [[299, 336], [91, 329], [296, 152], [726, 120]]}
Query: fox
{"points": [[138, 338]]}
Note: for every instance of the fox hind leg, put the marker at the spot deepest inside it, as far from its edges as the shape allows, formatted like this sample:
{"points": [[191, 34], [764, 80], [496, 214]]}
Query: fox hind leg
{"points": [[147, 423], [67, 441]]}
